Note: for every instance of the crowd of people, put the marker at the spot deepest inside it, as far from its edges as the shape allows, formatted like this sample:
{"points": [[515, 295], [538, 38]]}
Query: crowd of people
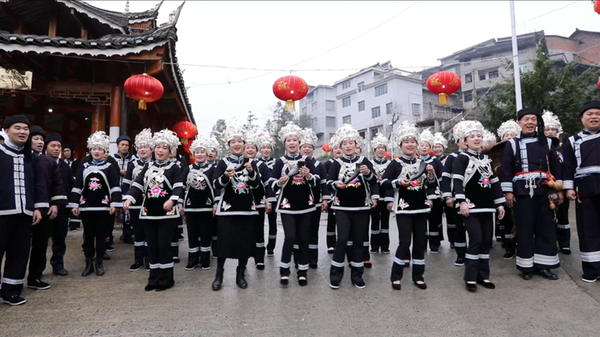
{"points": [[521, 185]]}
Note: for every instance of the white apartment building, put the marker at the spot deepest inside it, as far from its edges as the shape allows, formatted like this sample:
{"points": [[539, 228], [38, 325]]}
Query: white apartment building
{"points": [[320, 104]]}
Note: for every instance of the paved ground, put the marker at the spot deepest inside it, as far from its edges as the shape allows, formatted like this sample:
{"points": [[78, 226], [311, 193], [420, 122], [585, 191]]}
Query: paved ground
{"points": [[117, 305]]}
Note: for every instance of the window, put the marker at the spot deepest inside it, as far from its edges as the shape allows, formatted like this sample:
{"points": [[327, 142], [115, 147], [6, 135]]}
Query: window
{"points": [[388, 108], [314, 106], [374, 131], [346, 84], [467, 63], [361, 133], [482, 77], [381, 90], [469, 96], [330, 121], [375, 112], [330, 105], [361, 105], [524, 68], [468, 78], [493, 74], [361, 86], [314, 122], [305, 110], [347, 119], [346, 102], [416, 109]]}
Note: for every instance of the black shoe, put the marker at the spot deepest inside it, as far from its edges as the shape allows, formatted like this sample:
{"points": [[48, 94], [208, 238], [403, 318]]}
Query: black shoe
{"points": [[14, 300], [588, 279], [191, 265], [566, 251], [451, 245], [218, 282], [330, 250], [509, 254], [312, 265], [89, 267], [99, 268], [420, 284], [260, 266], [359, 282], [284, 280], [548, 274], [149, 287], [105, 257], [435, 249], [60, 271], [240, 278], [374, 250], [368, 264], [206, 267], [176, 259], [270, 253], [110, 248], [147, 267], [135, 266], [527, 276], [162, 288], [302, 281], [396, 286], [487, 285], [38, 284], [472, 287], [498, 239], [385, 251], [460, 261]]}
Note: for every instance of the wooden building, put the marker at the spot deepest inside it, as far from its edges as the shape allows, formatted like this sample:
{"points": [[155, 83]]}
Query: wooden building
{"points": [[73, 59]]}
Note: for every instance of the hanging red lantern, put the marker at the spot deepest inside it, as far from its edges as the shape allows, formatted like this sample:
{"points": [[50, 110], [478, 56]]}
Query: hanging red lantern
{"points": [[597, 6], [186, 148], [326, 148], [444, 83], [387, 155], [185, 130], [289, 89], [143, 88], [192, 160]]}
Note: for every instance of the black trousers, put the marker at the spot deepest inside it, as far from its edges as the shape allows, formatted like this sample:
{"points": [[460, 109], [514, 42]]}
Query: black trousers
{"points": [[109, 228], [158, 236], [450, 222], [177, 237], [297, 230], [380, 227], [199, 236], [331, 220], [94, 232], [460, 235], [536, 242], [509, 229], [140, 248], [351, 226], [480, 227], [435, 223], [588, 230], [15, 241], [313, 242], [214, 230], [259, 237], [411, 227], [40, 233], [272, 217], [74, 221], [563, 228]]}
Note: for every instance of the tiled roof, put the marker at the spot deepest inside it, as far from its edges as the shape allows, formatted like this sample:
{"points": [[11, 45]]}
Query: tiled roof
{"points": [[498, 47], [120, 19]]}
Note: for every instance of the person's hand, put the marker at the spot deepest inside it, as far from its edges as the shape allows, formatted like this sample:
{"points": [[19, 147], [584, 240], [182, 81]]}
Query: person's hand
{"points": [[126, 205], [249, 167], [324, 206], [501, 212], [429, 168], [561, 197], [364, 169], [510, 199], [168, 205], [304, 171], [112, 211], [123, 172], [429, 203], [215, 206], [76, 211], [390, 206], [181, 210], [37, 217], [340, 185], [374, 204], [450, 202], [230, 173], [404, 182], [571, 195], [464, 208], [53, 212], [268, 208], [283, 180]]}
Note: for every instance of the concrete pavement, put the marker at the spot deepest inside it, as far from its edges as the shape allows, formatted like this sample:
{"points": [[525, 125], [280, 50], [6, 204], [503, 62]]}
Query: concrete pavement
{"points": [[117, 305]]}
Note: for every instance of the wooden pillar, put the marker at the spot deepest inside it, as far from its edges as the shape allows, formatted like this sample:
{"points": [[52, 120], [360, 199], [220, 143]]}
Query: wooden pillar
{"points": [[98, 118], [116, 105], [53, 22]]}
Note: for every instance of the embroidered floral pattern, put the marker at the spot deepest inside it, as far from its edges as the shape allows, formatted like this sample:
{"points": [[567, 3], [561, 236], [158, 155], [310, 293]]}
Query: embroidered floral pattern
{"points": [[298, 180], [225, 206], [471, 205], [241, 188], [157, 192], [94, 184], [336, 201], [484, 182], [144, 211], [106, 200], [356, 183], [415, 185], [285, 203], [403, 204], [82, 201]]}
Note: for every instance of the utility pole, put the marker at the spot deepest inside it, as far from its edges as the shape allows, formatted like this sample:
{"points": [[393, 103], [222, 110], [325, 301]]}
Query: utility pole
{"points": [[515, 50]]}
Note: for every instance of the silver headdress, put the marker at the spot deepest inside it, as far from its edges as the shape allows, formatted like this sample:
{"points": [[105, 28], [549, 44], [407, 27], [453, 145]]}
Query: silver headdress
{"points": [[488, 138], [509, 126], [212, 144], [143, 138], [264, 139], [333, 142], [406, 130], [379, 140], [290, 130], [168, 138], [470, 127], [457, 130], [438, 138], [98, 138], [251, 138], [551, 121], [347, 132], [309, 137], [426, 137], [234, 130], [199, 143]]}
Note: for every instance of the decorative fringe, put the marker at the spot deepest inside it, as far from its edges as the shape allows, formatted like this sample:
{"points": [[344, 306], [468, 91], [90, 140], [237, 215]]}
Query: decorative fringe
{"points": [[142, 105], [444, 99], [290, 105]]}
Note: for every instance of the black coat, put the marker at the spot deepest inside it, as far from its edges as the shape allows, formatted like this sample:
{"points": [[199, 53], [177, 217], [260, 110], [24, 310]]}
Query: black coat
{"points": [[57, 190]]}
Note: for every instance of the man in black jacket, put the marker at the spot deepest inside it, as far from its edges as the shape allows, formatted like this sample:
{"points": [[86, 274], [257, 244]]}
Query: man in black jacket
{"points": [[58, 199]]}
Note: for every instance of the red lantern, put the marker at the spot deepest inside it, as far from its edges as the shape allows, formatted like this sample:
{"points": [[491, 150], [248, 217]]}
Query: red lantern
{"points": [[289, 89], [387, 155], [326, 148], [444, 83], [185, 130], [597, 6], [431, 153], [143, 88], [186, 148], [192, 160]]}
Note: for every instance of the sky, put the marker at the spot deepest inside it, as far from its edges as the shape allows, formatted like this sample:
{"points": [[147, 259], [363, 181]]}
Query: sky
{"points": [[325, 41]]}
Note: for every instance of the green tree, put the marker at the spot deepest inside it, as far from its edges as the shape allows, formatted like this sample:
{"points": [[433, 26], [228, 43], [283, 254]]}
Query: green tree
{"points": [[273, 125], [250, 122], [562, 89], [218, 131]]}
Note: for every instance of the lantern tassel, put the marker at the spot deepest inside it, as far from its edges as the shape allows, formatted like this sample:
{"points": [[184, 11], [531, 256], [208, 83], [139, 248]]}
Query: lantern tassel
{"points": [[142, 105], [289, 105], [184, 141], [444, 99]]}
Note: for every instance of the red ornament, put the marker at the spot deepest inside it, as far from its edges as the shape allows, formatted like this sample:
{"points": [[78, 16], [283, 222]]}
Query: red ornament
{"points": [[431, 153], [387, 155], [192, 160], [599, 84], [185, 130], [186, 148], [326, 148], [597, 6], [289, 89], [143, 88], [396, 157], [444, 83]]}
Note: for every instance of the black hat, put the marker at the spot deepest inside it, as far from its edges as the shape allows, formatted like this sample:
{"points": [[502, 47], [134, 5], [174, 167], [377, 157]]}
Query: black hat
{"points": [[15, 119], [36, 130], [68, 146], [529, 111], [122, 138], [589, 105], [53, 137]]}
